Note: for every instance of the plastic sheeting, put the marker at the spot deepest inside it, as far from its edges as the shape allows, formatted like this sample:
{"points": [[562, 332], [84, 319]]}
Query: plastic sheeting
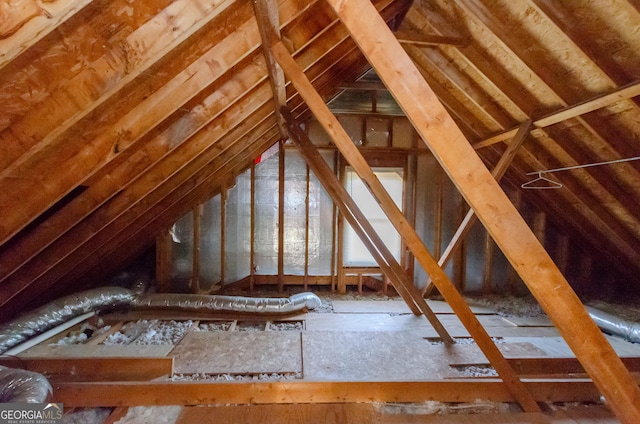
{"points": [[59, 311], [206, 303], [20, 386]]}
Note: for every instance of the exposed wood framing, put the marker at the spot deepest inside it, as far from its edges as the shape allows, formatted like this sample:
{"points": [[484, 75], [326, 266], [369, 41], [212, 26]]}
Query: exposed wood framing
{"points": [[29, 28], [353, 156], [492, 206], [269, 26], [417, 39], [281, 198], [194, 393], [623, 93], [363, 228], [94, 369], [470, 218]]}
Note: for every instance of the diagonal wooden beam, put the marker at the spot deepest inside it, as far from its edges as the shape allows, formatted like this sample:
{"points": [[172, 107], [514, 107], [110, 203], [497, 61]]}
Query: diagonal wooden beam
{"points": [[470, 218], [269, 27], [362, 226], [499, 216], [623, 93], [422, 40], [342, 140], [28, 30]]}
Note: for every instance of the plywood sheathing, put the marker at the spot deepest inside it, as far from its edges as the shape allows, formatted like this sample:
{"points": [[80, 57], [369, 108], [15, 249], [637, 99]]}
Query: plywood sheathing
{"points": [[238, 352], [398, 356]]}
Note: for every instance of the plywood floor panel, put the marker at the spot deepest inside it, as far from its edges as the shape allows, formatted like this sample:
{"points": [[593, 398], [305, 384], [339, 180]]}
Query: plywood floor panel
{"points": [[238, 352], [373, 414], [395, 306], [390, 356]]}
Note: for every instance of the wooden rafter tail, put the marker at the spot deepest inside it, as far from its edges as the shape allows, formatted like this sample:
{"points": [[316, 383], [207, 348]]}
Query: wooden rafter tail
{"points": [[407, 232], [363, 228], [470, 219], [499, 216]]}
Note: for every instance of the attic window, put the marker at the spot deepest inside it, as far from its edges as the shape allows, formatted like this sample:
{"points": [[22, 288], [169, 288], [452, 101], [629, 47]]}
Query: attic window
{"points": [[355, 253]]}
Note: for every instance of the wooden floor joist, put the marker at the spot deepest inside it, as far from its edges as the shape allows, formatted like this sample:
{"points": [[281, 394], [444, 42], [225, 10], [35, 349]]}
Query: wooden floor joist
{"points": [[94, 369], [280, 392], [499, 216]]}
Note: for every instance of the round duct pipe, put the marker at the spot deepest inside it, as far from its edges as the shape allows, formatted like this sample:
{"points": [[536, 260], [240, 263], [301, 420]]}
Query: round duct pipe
{"points": [[20, 386], [111, 298], [614, 325]]}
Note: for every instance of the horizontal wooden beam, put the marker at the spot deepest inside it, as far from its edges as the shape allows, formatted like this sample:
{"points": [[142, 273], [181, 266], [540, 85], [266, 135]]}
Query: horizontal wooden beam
{"points": [[604, 100], [205, 393], [94, 369], [551, 365]]}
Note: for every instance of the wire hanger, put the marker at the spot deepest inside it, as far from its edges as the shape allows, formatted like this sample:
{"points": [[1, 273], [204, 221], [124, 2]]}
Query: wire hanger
{"points": [[550, 184], [547, 183]]}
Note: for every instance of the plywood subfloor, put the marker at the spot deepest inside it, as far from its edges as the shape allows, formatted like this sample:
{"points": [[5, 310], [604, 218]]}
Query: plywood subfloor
{"points": [[390, 356], [495, 325], [374, 414], [395, 306], [238, 352]]}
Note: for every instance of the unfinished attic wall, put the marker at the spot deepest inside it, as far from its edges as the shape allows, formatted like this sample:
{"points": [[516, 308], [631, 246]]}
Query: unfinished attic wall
{"points": [[309, 253]]}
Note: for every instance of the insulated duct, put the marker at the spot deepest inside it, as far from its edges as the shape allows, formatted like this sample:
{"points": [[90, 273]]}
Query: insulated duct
{"points": [[60, 311], [614, 325], [20, 386], [96, 300], [206, 303]]}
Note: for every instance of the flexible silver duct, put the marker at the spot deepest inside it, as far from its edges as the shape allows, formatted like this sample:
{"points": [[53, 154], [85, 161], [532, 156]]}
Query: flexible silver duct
{"points": [[249, 305], [20, 386], [614, 325], [66, 308], [60, 311]]}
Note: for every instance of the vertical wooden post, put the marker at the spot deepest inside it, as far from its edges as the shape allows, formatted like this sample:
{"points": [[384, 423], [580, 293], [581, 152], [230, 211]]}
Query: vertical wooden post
{"points": [[492, 206], [281, 177], [195, 273], [252, 252], [223, 232], [334, 231], [163, 261], [342, 285], [306, 234], [487, 285]]}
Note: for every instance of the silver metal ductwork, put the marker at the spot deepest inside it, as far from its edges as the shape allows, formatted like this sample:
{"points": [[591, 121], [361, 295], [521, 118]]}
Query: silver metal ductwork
{"points": [[248, 305], [20, 386], [111, 298], [61, 310], [614, 325]]}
